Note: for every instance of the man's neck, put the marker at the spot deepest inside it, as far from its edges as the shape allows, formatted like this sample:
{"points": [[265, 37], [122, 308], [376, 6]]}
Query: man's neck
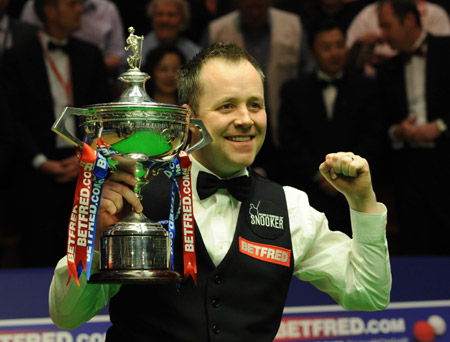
{"points": [[56, 33], [419, 40], [332, 9], [417, 36], [329, 76]]}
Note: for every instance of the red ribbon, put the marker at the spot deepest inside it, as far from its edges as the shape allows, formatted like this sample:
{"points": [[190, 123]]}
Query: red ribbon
{"points": [[187, 218], [78, 232]]}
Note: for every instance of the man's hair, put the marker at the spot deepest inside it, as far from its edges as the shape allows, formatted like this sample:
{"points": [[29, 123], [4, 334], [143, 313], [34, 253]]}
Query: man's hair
{"points": [[39, 6], [183, 6], [322, 25], [189, 85], [403, 7]]}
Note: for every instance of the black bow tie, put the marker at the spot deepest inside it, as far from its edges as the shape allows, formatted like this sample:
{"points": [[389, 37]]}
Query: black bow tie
{"points": [[208, 184], [334, 82], [406, 56], [53, 46]]}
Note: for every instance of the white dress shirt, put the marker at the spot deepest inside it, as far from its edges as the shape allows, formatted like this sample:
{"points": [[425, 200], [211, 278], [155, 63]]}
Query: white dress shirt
{"points": [[355, 272], [329, 93], [415, 83], [61, 98]]}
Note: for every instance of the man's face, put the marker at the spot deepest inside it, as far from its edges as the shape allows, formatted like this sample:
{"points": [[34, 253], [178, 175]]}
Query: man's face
{"points": [[254, 13], [231, 106], [395, 33], [167, 22], [66, 15], [329, 51]]}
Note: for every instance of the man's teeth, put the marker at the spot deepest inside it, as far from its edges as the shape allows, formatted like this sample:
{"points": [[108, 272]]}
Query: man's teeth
{"points": [[239, 138]]}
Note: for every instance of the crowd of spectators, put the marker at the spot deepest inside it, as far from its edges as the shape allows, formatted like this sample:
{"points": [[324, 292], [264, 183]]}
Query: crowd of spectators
{"points": [[336, 77]]}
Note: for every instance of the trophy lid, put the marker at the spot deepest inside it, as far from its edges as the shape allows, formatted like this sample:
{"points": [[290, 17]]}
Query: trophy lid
{"points": [[134, 95]]}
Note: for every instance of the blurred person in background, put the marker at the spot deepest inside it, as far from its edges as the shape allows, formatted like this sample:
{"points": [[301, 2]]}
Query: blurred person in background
{"points": [[169, 18], [365, 41], [101, 25], [162, 64], [52, 70], [329, 108], [414, 89]]}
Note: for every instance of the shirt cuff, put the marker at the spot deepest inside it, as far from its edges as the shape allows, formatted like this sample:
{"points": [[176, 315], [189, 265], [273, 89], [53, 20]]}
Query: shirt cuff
{"points": [[38, 160], [369, 228], [395, 143]]}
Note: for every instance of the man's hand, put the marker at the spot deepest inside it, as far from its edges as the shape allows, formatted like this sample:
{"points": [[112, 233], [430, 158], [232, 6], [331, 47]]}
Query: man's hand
{"points": [[408, 131], [117, 198], [350, 175], [64, 171], [325, 186]]}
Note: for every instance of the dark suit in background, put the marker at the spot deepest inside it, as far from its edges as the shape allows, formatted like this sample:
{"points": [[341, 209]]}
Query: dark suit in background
{"points": [[25, 73], [307, 135], [421, 174]]}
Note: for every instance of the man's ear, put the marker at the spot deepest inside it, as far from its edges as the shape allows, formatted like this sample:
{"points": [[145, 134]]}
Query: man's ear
{"points": [[190, 114], [410, 20]]}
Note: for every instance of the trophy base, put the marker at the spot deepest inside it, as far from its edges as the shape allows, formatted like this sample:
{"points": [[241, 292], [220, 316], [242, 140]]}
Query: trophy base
{"points": [[135, 277]]}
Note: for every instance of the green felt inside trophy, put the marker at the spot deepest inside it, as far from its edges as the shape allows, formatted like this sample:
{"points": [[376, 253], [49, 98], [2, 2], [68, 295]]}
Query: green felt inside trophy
{"points": [[146, 142]]}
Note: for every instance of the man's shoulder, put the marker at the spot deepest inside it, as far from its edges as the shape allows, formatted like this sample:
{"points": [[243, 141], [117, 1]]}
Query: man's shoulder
{"points": [[443, 41]]}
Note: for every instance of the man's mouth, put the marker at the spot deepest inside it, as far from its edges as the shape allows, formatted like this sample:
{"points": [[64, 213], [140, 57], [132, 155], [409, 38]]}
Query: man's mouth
{"points": [[240, 138]]}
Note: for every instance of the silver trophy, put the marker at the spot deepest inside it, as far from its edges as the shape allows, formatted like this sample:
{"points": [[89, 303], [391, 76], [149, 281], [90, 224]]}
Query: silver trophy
{"points": [[145, 136]]}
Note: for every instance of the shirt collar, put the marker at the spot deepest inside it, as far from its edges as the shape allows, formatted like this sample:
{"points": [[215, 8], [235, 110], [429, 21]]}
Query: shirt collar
{"points": [[45, 38], [323, 76], [196, 167], [419, 41]]}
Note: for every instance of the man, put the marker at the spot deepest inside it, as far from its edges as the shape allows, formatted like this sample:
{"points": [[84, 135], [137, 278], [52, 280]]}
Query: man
{"points": [[414, 91], [324, 110], [366, 45], [238, 297], [101, 25], [278, 42], [169, 19], [51, 78]]}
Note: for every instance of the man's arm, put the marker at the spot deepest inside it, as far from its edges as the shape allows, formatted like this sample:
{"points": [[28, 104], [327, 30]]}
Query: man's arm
{"points": [[72, 305], [355, 272]]}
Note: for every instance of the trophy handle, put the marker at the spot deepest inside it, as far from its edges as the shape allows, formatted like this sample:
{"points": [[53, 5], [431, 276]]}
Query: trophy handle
{"points": [[205, 139], [59, 126]]}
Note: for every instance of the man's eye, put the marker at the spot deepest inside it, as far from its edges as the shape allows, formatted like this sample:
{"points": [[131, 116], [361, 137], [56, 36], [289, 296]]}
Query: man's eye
{"points": [[226, 106], [255, 105]]}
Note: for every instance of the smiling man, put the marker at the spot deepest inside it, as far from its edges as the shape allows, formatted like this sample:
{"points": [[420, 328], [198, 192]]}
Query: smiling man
{"points": [[249, 241]]}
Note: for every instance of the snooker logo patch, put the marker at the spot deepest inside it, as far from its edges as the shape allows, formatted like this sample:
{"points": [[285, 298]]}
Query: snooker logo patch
{"points": [[265, 219]]}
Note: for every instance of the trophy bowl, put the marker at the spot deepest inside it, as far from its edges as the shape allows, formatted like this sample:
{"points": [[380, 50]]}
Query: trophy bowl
{"points": [[140, 136]]}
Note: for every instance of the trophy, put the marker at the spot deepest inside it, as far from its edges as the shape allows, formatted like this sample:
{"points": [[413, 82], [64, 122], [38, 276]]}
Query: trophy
{"points": [[141, 136]]}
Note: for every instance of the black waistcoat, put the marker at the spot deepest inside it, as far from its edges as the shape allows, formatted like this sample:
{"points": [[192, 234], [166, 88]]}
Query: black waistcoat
{"points": [[242, 299]]}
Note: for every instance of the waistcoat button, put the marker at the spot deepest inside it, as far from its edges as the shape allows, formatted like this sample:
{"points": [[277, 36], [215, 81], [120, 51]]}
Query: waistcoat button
{"points": [[215, 329], [215, 303], [218, 280]]}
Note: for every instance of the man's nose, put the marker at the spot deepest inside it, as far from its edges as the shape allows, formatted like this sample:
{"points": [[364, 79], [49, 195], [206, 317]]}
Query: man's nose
{"points": [[243, 118]]}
